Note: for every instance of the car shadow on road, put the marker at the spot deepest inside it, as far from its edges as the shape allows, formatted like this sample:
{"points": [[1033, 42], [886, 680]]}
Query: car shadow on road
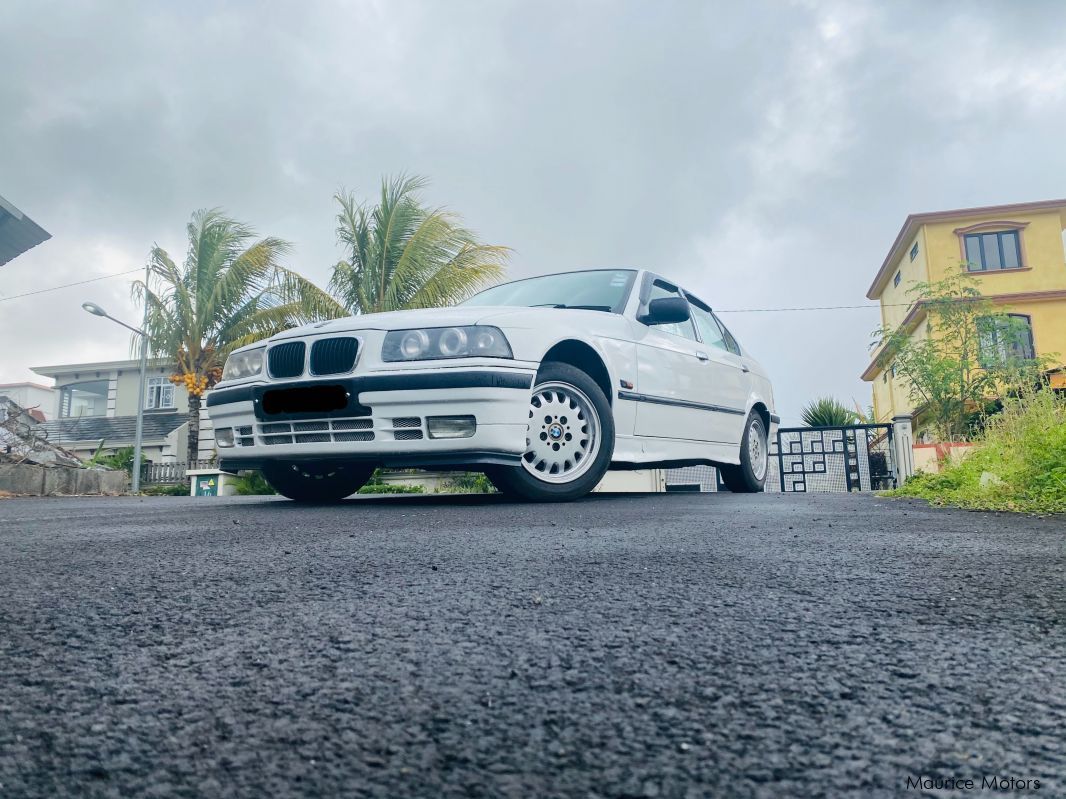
{"points": [[450, 500]]}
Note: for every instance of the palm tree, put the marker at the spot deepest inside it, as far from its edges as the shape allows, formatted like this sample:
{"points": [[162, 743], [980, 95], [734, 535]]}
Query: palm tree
{"points": [[400, 254], [827, 412], [231, 290]]}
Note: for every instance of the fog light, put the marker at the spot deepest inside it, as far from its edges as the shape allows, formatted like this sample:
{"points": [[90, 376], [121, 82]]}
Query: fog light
{"points": [[224, 436], [451, 426]]}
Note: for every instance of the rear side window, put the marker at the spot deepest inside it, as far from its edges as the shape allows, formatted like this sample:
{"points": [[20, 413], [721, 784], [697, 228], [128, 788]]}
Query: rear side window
{"points": [[730, 342], [712, 331]]}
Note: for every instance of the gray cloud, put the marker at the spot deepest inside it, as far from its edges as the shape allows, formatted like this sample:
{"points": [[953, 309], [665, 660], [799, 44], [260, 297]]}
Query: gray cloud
{"points": [[764, 153]]}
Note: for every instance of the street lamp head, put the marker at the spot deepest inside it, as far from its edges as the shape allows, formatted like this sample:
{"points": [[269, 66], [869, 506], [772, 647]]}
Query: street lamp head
{"points": [[94, 309]]}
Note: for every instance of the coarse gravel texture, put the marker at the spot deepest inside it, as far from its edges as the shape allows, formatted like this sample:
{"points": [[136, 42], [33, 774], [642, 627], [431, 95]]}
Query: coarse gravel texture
{"points": [[678, 645]]}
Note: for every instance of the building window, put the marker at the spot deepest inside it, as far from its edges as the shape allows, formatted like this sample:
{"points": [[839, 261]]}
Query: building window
{"points": [[986, 252], [159, 393], [914, 251], [83, 399], [896, 279], [1006, 339]]}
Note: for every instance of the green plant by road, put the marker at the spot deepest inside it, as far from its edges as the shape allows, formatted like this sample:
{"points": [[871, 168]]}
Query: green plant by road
{"points": [[972, 354], [1019, 463]]}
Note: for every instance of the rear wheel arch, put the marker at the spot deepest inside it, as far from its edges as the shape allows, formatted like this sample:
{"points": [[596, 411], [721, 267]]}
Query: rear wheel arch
{"points": [[764, 413], [583, 356], [744, 477]]}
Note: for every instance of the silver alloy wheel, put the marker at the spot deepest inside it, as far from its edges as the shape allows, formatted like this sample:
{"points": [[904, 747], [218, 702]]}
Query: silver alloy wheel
{"points": [[563, 436], [757, 449]]}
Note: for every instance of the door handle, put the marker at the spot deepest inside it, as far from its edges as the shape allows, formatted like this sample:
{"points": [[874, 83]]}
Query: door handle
{"points": [[744, 368], [703, 356]]}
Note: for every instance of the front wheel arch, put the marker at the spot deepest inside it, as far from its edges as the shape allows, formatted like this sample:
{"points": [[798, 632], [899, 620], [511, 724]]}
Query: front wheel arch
{"points": [[583, 356]]}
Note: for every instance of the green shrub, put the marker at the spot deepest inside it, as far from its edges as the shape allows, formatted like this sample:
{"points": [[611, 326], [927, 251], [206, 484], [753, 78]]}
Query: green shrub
{"points": [[1020, 458], [118, 459], [252, 484], [166, 490], [468, 483], [389, 488], [375, 485]]}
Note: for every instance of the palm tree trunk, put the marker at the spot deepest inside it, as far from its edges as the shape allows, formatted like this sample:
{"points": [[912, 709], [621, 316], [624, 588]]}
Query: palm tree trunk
{"points": [[194, 429]]}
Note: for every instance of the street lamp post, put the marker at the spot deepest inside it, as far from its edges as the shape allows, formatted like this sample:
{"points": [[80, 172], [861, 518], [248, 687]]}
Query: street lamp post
{"points": [[138, 435]]}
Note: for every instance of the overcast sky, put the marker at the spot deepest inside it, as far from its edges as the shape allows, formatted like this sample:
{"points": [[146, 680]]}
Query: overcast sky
{"points": [[763, 153]]}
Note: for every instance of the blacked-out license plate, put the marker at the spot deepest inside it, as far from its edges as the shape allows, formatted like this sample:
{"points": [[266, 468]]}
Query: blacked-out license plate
{"points": [[305, 399]]}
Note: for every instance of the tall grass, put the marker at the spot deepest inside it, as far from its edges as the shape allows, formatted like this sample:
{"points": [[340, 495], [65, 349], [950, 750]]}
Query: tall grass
{"points": [[1019, 464]]}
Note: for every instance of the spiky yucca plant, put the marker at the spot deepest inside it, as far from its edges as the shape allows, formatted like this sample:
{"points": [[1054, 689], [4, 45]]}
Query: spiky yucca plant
{"points": [[827, 412]]}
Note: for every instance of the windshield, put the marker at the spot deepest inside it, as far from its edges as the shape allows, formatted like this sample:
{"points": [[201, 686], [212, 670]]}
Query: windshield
{"points": [[594, 290]]}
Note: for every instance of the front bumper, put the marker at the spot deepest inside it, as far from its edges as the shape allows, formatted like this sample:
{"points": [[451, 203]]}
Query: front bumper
{"points": [[384, 421]]}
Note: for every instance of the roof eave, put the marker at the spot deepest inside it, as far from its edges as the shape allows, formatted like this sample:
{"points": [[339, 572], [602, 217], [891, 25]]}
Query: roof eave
{"points": [[98, 366], [914, 221], [915, 315]]}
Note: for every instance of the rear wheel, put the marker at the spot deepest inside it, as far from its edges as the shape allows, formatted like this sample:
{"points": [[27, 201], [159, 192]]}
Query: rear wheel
{"points": [[750, 475], [316, 482], [569, 440]]}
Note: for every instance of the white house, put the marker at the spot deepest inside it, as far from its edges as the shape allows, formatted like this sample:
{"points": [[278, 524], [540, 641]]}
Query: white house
{"points": [[38, 400], [97, 402]]}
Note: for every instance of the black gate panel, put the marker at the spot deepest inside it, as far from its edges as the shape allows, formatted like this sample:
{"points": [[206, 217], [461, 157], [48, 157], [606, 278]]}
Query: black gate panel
{"points": [[835, 459]]}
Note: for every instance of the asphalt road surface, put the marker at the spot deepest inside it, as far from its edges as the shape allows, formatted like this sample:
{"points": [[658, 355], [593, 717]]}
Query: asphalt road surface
{"points": [[626, 646]]}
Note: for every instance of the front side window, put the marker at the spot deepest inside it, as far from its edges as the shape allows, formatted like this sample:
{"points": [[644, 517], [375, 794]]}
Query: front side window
{"points": [[659, 290], [159, 393], [1006, 339], [83, 399], [986, 252]]}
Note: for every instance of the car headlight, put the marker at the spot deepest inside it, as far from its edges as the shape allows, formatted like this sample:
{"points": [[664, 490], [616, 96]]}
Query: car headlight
{"points": [[423, 344], [246, 363]]}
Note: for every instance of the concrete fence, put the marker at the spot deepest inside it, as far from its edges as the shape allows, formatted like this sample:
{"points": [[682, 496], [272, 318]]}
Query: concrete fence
{"points": [[41, 481]]}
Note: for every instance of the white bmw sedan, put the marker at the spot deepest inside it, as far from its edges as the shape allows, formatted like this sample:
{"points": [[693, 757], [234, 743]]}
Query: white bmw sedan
{"points": [[543, 384]]}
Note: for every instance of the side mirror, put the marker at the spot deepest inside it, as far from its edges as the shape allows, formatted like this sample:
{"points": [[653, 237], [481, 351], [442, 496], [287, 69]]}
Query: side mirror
{"points": [[667, 310]]}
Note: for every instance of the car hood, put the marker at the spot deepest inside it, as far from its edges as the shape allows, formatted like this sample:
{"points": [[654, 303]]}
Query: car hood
{"points": [[436, 317]]}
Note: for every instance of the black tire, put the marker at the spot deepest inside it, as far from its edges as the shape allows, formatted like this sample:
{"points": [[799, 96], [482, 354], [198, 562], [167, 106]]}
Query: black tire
{"points": [[316, 482], [521, 482], [743, 479]]}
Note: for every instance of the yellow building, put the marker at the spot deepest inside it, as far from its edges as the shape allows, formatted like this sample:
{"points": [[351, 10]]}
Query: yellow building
{"points": [[1015, 252]]}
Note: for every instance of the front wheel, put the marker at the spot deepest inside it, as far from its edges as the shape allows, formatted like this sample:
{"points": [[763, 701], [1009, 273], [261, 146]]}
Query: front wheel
{"points": [[316, 482], [749, 476], [569, 440]]}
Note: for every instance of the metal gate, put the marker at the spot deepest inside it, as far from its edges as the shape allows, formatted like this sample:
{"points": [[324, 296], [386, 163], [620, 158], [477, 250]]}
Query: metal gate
{"points": [[836, 459]]}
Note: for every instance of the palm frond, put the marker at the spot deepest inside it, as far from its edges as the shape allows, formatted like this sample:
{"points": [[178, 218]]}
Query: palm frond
{"points": [[399, 254]]}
